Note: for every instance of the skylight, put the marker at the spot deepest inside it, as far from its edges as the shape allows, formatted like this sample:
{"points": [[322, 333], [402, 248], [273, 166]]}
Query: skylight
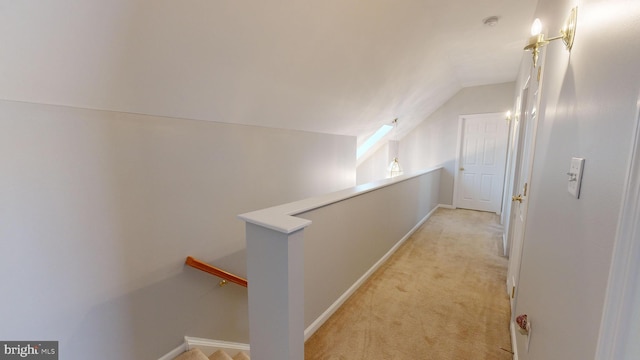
{"points": [[368, 144]]}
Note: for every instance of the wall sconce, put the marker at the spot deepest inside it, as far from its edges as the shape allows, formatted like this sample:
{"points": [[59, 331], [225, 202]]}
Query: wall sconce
{"points": [[508, 116], [567, 33]]}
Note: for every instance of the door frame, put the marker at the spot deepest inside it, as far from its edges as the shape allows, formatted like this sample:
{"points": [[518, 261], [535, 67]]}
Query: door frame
{"points": [[456, 177]]}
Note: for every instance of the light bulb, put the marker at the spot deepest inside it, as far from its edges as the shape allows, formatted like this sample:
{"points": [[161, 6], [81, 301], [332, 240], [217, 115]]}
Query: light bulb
{"points": [[536, 27]]}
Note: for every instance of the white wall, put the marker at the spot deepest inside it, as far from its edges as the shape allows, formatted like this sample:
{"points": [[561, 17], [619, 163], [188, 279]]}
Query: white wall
{"points": [[588, 109], [99, 210], [356, 233], [320, 250], [374, 167], [632, 348], [341, 67], [433, 142]]}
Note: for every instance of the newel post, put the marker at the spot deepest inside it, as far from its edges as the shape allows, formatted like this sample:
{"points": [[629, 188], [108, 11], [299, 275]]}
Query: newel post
{"points": [[275, 272]]}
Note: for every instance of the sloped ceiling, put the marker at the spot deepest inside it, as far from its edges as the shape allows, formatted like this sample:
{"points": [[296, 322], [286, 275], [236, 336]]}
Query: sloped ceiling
{"points": [[332, 66]]}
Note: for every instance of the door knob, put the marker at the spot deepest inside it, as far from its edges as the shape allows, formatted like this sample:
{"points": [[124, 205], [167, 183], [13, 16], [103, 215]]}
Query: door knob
{"points": [[461, 169], [517, 198]]}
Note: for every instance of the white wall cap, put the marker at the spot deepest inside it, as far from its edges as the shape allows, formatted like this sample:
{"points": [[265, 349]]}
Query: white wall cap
{"points": [[282, 217]]}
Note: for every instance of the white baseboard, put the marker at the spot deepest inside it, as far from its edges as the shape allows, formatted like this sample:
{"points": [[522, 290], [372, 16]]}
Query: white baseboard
{"points": [[444, 206], [336, 305], [175, 352], [504, 244], [514, 344]]}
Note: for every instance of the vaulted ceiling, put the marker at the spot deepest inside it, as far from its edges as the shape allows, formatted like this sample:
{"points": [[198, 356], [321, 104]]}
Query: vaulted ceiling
{"points": [[332, 66]]}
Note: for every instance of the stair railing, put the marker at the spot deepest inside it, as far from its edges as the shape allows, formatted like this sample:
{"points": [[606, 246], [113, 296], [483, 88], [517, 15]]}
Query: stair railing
{"points": [[224, 275]]}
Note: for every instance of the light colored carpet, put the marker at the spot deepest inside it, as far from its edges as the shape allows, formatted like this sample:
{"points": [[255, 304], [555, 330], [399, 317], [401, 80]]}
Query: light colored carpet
{"points": [[441, 296], [193, 354], [220, 355], [197, 354], [241, 356]]}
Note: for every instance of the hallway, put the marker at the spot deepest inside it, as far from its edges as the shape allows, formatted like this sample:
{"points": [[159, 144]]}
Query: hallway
{"points": [[440, 296]]}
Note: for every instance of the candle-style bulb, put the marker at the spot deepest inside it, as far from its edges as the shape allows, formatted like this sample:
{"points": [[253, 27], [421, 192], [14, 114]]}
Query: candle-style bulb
{"points": [[536, 27]]}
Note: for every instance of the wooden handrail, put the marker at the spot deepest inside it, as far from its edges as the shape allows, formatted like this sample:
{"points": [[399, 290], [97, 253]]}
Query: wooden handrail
{"points": [[215, 271]]}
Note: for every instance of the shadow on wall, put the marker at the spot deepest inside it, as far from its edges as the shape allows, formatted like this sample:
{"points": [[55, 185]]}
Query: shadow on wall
{"points": [[447, 176], [151, 321]]}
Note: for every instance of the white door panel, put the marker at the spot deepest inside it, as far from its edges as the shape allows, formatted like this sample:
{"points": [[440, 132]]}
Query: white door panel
{"points": [[525, 126], [481, 162]]}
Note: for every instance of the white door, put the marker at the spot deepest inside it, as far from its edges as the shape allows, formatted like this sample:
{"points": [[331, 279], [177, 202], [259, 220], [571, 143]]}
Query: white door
{"points": [[516, 210], [510, 168], [482, 151], [521, 181]]}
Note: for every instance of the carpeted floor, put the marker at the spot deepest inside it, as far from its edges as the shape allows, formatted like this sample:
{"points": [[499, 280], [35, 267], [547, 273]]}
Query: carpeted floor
{"points": [[441, 296]]}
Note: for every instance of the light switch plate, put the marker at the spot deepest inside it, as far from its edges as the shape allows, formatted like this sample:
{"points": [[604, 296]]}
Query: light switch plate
{"points": [[575, 176]]}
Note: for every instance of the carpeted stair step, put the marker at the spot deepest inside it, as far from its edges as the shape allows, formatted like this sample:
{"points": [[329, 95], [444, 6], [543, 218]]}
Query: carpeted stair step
{"points": [[240, 356], [197, 354]]}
